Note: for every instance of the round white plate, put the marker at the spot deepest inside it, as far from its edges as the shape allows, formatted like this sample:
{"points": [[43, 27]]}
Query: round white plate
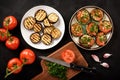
{"points": [[26, 33]]}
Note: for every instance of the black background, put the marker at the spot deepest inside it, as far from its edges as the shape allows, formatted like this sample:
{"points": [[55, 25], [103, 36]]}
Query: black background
{"points": [[18, 8]]}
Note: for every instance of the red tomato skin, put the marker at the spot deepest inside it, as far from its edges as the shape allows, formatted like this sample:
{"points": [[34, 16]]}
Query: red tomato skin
{"points": [[12, 43], [3, 34], [68, 56], [27, 56], [14, 62], [10, 22]]}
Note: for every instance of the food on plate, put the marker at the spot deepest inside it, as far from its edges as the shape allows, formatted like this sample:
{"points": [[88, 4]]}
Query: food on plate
{"points": [[46, 22], [56, 33], [40, 15], [57, 70], [86, 41], [46, 39], [14, 64], [48, 30], [76, 29], [97, 14], [68, 56], [83, 16], [29, 22], [105, 26], [27, 56], [4, 34], [53, 17], [12, 42], [35, 37], [10, 22], [101, 39], [92, 29], [37, 27]]}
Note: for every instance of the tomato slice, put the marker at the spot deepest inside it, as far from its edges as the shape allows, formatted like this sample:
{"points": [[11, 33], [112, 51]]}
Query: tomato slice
{"points": [[68, 56]]}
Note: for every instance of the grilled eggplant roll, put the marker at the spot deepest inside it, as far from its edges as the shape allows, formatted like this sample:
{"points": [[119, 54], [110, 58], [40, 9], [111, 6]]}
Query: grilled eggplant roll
{"points": [[48, 30], [101, 39], [105, 26], [92, 29], [56, 33], [40, 15], [46, 39], [86, 41], [46, 22], [35, 37], [53, 17], [76, 30], [37, 27], [83, 16], [29, 22], [97, 14]]}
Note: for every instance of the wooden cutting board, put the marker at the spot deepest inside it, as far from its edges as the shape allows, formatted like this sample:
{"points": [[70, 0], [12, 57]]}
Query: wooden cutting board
{"points": [[79, 60]]}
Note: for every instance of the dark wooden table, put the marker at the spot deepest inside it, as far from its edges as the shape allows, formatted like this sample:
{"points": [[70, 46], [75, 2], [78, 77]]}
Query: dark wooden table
{"points": [[18, 8]]}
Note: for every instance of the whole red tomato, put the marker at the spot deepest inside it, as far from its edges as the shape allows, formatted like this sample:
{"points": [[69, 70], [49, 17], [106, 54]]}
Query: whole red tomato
{"points": [[27, 56], [3, 34], [12, 43], [68, 56], [14, 64], [10, 22]]}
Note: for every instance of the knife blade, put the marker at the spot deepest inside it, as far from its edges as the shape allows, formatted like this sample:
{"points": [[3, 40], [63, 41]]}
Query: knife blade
{"points": [[71, 65]]}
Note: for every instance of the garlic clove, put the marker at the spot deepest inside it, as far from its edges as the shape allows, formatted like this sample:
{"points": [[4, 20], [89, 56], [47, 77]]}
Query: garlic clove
{"points": [[107, 55], [95, 57], [104, 64]]}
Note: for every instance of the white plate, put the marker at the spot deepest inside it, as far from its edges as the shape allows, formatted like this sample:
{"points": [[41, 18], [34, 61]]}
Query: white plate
{"points": [[59, 24]]}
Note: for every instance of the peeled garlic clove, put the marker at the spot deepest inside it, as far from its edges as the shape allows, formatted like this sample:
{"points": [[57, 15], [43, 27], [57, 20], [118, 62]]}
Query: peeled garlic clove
{"points": [[107, 55], [95, 57], [104, 64]]}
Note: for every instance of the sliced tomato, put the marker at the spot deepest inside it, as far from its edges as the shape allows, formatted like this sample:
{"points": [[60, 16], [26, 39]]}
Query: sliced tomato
{"points": [[27, 56], [68, 56], [14, 64]]}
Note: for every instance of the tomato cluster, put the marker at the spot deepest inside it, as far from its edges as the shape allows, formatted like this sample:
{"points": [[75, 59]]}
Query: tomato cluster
{"points": [[27, 56]]}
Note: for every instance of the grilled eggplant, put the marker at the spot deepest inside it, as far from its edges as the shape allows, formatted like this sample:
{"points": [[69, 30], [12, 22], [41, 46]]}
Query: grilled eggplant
{"points": [[37, 27], [46, 22], [35, 37], [53, 17], [46, 39], [56, 33], [29, 22], [40, 15], [86, 41], [48, 30]]}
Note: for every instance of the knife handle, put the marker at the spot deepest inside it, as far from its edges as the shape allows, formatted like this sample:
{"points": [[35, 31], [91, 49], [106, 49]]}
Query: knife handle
{"points": [[82, 68]]}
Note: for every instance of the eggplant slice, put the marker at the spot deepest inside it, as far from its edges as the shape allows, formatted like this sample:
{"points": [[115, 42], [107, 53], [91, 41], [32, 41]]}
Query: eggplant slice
{"points": [[35, 37], [53, 17], [37, 27], [40, 15], [46, 39]]}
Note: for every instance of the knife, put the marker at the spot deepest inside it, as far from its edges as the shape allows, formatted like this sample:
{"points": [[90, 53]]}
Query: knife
{"points": [[70, 65]]}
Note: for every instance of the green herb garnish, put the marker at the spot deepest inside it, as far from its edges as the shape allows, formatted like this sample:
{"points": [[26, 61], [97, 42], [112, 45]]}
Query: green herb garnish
{"points": [[57, 70]]}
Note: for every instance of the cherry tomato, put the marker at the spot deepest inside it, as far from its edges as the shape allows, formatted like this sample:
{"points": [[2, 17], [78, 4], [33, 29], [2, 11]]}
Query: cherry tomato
{"points": [[3, 34], [12, 43], [27, 56], [13, 64], [10, 22], [68, 56]]}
